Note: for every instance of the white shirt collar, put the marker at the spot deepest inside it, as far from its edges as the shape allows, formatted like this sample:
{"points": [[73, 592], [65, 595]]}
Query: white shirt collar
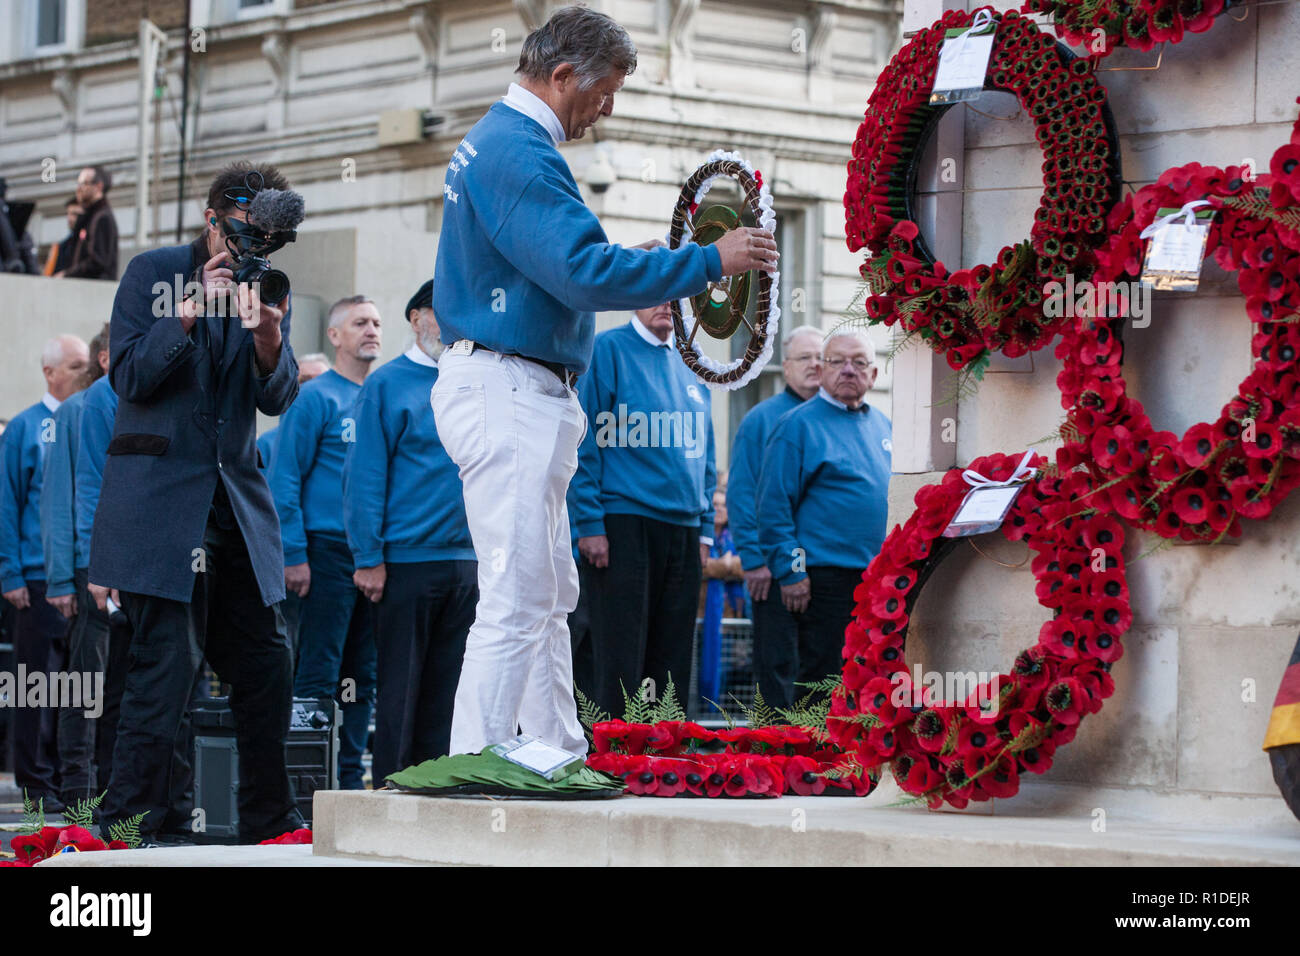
{"points": [[649, 336], [822, 393], [535, 108], [418, 356], [50, 402]]}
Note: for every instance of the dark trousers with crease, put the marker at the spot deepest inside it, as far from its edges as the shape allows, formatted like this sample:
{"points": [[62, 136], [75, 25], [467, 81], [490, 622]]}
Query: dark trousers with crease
{"points": [[87, 654], [41, 646], [421, 624], [245, 643], [642, 608], [804, 647]]}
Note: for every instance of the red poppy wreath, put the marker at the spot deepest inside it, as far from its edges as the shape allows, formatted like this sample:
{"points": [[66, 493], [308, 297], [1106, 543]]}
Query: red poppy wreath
{"points": [[1197, 486], [1103, 25], [967, 313], [973, 749]]}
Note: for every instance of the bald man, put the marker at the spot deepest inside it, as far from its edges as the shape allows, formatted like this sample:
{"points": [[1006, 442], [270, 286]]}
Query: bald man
{"points": [[336, 645], [40, 631]]}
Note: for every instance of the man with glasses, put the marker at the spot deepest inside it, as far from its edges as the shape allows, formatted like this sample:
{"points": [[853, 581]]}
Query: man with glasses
{"points": [[822, 499]]}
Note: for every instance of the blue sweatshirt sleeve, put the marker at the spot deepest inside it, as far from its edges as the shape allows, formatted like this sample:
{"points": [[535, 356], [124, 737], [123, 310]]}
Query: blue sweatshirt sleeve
{"points": [[550, 236], [58, 520], [710, 486], [742, 487], [780, 489], [295, 451], [13, 485], [365, 479], [586, 512], [92, 452]]}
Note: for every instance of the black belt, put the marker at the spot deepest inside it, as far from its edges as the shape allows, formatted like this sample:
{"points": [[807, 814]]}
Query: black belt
{"points": [[563, 374]]}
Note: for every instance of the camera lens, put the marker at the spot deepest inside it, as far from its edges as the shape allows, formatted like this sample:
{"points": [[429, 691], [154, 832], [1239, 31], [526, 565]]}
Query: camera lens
{"points": [[274, 286]]}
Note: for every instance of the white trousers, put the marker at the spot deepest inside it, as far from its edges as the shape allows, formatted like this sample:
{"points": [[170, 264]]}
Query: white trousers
{"points": [[513, 429]]}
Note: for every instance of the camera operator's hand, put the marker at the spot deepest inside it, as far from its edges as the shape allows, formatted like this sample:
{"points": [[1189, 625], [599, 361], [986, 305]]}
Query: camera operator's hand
{"points": [[297, 578], [264, 320], [218, 280], [747, 248], [371, 581], [100, 596]]}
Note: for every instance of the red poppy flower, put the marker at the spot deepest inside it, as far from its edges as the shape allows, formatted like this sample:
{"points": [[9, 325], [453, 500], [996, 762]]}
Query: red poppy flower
{"points": [[1065, 700], [34, 847], [739, 777], [671, 774]]}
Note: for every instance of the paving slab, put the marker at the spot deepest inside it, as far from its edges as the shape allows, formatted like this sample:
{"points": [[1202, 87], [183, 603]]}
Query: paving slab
{"points": [[190, 856]]}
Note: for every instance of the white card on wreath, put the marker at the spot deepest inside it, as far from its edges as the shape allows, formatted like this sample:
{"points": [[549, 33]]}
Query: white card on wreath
{"points": [[983, 510], [1175, 254], [963, 65]]}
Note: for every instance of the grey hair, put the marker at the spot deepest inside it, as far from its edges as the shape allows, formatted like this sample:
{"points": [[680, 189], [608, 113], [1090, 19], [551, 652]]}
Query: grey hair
{"points": [[55, 350], [588, 40], [850, 332], [335, 315], [798, 331], [314, 357]]}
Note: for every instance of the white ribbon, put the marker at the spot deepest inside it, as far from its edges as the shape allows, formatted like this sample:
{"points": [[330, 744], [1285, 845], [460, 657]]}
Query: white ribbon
{"points": [[1187, 212], [1024, 471], [950, 46]]}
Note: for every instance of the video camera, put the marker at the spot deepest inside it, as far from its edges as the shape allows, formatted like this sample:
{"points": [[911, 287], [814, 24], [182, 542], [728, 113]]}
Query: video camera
{"points": [[273, 219]]}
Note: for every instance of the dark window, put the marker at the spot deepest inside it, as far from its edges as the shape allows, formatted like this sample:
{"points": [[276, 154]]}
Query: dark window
{"points": [[51, 22]]}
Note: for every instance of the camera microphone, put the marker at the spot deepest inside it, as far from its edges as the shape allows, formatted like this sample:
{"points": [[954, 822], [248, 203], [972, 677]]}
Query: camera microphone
{"points": [[277, 210]]}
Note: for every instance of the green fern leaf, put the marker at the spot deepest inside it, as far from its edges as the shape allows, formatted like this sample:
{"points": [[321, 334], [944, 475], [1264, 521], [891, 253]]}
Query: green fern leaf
{"points": [[128, 830], [82, 813]]}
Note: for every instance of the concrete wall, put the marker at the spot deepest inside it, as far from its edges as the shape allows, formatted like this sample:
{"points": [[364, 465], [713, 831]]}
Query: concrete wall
{"points": [[1211, 622]]}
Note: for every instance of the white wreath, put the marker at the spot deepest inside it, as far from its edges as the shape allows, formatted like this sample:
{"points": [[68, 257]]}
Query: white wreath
{"points": [[766, 220]]}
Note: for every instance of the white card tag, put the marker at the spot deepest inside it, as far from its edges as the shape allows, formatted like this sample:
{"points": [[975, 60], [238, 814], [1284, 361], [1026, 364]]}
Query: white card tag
{"points": [[963, 66], [1174, 256], [983, 510], [539, 756]]}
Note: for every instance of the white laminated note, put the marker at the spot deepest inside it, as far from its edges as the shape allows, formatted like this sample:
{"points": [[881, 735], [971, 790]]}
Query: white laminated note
{"points": [[963, 65], [982, 510], [1178, 248]]}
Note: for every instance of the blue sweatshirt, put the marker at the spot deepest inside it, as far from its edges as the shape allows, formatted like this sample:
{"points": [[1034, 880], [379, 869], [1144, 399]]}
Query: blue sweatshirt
{"points": [[746, 464], [306, 473], [265, 446], [649, 445], [824, 488], [97, 415], [22, 460], [402, 498], [523, 263], [58, 499]]}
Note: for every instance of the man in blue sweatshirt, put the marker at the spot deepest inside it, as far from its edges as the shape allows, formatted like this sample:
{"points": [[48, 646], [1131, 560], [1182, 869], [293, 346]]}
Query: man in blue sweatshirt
{"points": [[405, 518], [522, 265], [642, 503], [336, 646], [802, 368], [40, 631], [107, 637], [65, 579], [309, 366], [822, 500]]}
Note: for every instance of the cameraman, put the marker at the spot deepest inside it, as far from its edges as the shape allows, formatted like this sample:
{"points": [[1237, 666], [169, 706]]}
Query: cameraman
{"points": [[185, 527]]}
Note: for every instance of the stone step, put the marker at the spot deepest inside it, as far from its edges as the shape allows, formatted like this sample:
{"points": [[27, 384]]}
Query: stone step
{"points": [[244, 856], [1046, 830]]}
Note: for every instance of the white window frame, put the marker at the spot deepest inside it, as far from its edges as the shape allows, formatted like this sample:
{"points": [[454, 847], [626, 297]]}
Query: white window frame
{"points": [[268, 8], [73, 32]]}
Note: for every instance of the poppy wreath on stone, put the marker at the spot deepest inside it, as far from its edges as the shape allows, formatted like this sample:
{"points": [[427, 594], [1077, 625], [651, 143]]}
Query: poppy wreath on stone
{"points": [[1199, 485], [661, 760], [966, 314], [1102, 25], [956, 751]]}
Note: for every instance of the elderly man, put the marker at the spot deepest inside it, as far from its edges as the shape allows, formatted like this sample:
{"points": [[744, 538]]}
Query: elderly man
{"points": [[822, 500], [40, 630], [522, 265], [185, 529], [405, 518], [802, 369], [94, 256], [66, 554], [642, 504], [336, 644]]}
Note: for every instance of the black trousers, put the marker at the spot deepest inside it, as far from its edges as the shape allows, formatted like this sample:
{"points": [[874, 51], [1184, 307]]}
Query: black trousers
{"points": [[119, 650], [584, 666], [40, 645], [246, 645], [87, 654], [420, 628], [642, 608], [805, 647]]}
